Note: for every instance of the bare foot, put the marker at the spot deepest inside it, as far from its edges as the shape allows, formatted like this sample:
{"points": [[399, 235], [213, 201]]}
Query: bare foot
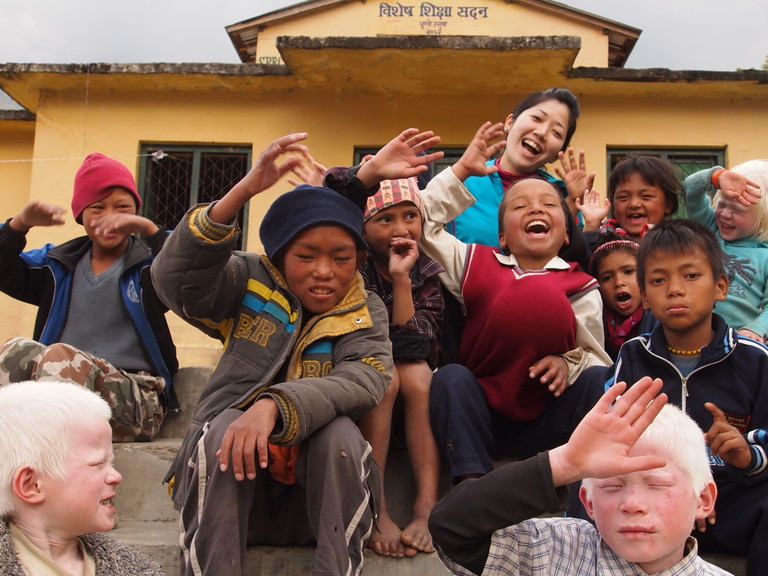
{"points": [[416, 536], [386, 540]]}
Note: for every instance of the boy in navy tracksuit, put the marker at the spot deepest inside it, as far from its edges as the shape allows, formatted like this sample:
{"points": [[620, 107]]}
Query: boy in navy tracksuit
{"points": [[717, 376]]}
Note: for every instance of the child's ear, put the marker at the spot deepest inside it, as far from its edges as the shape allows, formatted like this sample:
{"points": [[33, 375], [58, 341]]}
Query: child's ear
{"points": [[361, 257], [721, 288], [26, 486], [503, 243], [586, 501], [706, 501]]}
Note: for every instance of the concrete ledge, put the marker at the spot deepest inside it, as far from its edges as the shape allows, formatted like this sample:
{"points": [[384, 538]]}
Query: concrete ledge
{"points": [[160, 540]]}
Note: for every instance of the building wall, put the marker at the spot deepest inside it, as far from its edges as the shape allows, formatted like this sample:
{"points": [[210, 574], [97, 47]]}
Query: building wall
{"points": [[446, 18], [77, 115]]}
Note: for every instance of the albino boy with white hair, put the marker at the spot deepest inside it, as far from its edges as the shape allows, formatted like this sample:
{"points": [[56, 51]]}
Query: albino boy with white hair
{"points": [[57, 483]]}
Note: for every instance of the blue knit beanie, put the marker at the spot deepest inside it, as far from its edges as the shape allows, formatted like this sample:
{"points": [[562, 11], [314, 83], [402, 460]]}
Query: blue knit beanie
{"points": [[305, 207]]}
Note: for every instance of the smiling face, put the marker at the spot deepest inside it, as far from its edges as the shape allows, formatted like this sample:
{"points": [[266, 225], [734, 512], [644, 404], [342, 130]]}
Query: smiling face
{"points": [[681, 290], [533, 223], [402, 220], [734, 221], [535, 137], [646, 517], [120, 201], [637, 204], [319, 266], [616, 273], [81, 501]]}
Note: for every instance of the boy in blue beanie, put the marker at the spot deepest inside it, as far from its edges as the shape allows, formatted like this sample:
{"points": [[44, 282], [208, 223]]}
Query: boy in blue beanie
{"points": [[273, 455]]}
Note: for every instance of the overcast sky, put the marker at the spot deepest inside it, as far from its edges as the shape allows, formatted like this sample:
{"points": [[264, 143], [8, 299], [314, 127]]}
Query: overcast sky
{"points": [[677, 34]]}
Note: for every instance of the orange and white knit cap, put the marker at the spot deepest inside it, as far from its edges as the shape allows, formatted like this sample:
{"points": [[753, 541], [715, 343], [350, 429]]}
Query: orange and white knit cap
{"points": [[392, 192]]}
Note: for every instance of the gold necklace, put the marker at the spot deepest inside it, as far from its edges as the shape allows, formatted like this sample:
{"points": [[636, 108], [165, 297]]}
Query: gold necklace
{"points": [[677, 352]]}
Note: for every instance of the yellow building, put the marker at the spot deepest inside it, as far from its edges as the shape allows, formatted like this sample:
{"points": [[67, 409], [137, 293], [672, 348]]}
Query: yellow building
{"points": [[353, 74]]}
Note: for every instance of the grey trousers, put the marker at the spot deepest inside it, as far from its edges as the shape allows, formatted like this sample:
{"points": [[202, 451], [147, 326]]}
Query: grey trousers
{"points": [[331, 504]]}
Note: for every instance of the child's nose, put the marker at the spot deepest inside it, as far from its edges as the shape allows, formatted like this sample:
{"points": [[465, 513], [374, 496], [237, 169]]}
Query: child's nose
{"points": [[633, 502], [114, 477], [322, 268], [675, 286]]}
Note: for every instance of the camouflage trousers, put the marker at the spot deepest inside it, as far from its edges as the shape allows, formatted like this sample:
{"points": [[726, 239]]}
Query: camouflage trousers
{"points": [[135, 399]]}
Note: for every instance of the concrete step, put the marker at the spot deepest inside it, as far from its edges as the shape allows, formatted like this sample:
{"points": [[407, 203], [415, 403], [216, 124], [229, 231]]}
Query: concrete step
{"points": [[142, 497], [160, 540]]}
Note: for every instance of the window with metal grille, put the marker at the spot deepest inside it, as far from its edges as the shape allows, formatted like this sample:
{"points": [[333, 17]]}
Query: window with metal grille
{"points": [[174, 178], [686, 161]]}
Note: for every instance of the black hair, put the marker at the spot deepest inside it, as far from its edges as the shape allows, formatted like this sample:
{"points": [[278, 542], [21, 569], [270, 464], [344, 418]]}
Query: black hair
{"points": [[503, 204], [608, 245], [678, 236], [655, 171], [562, 95]]}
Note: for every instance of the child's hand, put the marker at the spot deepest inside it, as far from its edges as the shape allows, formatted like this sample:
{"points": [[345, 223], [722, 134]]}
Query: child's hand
{"points": [[246, 437], [577, 181], [600, 445], [592, 209], [124, 224], [266, 171], [480, 150], [725, 441], [553, 371], [735, 186], [263, 174], [37, 214], [401, 157], [308, 171], [403, 253], [701, 523], [750, 334]]}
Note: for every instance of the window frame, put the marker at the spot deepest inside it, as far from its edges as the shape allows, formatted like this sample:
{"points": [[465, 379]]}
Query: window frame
{"points": [[148, 149]]}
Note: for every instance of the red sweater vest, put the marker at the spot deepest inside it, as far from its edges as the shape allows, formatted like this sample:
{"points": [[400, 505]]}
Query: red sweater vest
{"points": [[513, 319]]}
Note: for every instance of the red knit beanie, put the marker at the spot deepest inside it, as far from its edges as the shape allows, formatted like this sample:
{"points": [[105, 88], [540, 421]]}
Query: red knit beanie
{"points": [[95, 180]]}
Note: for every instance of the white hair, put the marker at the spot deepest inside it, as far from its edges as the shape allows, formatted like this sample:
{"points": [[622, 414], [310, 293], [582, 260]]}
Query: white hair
{"points": [[35, 419], [757, 172], [678, 438]]}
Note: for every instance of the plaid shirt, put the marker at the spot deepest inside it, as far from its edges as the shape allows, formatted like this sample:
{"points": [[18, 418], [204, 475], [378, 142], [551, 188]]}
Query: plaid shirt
{"points": [[570, 547], [428, 302]]}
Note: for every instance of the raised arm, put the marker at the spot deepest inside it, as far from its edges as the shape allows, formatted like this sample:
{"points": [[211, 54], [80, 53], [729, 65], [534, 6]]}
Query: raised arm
{"points": [[599, 446], [463, 522], [37, 214], [264, 173], [402, 157]]}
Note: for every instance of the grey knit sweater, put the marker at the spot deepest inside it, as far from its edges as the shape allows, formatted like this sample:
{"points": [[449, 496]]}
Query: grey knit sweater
{"points": [[111, 557]]}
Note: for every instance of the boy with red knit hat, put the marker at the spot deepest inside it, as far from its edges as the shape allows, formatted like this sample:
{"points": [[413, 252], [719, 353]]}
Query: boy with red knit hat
{"points": [[99, 322]]}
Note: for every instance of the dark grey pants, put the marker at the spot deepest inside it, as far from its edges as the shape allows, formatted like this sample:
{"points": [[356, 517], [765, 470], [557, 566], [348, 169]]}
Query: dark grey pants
{"points": [[331, 503]]}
